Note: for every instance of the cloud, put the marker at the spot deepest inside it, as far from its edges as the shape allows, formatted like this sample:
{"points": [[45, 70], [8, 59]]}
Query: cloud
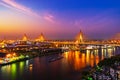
{"points": [[49, 18], [3, 4], [23, 9]]}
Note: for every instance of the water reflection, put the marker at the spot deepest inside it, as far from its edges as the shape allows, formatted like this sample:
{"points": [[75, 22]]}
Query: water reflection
{"points": [[30, 68], [22, 63], [81, 60], [11, 72], [67, 68], [90, 58]]}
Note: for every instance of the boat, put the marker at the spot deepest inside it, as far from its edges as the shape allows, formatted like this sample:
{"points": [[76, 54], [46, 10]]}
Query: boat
{"points": [[60, 57], [55, 58]]}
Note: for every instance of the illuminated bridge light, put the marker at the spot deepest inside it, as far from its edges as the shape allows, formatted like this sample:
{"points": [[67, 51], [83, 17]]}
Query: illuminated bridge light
{"points": [[41, 38], [25, 37], [80, 37]]}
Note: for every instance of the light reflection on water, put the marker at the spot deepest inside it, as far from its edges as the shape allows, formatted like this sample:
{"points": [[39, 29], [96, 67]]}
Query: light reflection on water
{"points": [[68, 68]]}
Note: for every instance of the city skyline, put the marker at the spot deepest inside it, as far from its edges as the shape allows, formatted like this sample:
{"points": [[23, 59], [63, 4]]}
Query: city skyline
{"points": [[59, 19]]}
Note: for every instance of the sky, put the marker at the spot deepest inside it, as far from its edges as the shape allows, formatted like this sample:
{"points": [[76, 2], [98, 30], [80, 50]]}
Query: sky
{"points": [[59, 19]]}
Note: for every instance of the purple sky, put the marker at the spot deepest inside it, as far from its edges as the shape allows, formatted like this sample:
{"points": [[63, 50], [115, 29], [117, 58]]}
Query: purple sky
{"points": [[58, 19]]}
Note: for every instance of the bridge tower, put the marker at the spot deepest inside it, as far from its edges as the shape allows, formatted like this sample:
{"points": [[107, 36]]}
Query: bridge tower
{"points": [[115, 38], [41, 38], [25, 38], [80, 37]]}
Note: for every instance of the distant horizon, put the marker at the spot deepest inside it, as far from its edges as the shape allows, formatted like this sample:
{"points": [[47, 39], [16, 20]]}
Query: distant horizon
{"points": [[31, 37]]}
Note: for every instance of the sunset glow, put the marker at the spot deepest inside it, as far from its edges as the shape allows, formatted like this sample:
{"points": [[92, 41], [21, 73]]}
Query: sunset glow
{"points": [[57, 19]]}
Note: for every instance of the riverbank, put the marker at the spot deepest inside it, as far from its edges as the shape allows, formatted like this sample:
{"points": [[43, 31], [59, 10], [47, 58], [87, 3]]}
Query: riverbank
{"points": [[14, 61], [108, 68], [29, 55]]}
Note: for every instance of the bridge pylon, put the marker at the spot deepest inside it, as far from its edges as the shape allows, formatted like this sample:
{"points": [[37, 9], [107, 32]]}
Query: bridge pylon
{"points": [[25, 38], [80, 38], [41, 38]]}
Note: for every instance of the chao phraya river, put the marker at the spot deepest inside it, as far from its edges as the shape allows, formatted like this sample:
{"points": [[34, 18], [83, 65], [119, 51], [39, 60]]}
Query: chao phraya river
{"points": [[67, 68]]}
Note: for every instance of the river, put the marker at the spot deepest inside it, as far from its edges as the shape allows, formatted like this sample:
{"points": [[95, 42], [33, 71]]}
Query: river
{"points": [[67, 68]]}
